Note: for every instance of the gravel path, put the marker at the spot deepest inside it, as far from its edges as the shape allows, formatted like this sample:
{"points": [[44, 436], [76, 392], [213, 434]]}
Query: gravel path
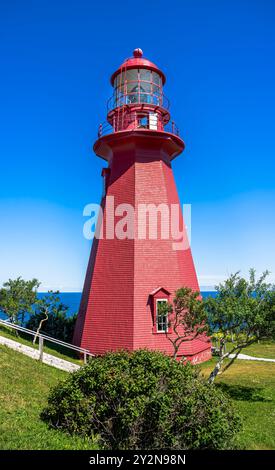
{"points": [[251, 358], [34, 354], [70, 367]]}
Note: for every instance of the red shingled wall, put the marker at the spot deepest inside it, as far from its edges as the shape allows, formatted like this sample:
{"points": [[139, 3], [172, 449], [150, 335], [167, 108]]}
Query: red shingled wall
{"points": [[115, 309]]}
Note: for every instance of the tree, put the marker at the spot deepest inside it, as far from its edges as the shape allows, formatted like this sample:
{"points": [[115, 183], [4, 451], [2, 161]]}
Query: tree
{"points": [[186, 318], [242, 313], [17, 298], [43, 307], [51, 314]]}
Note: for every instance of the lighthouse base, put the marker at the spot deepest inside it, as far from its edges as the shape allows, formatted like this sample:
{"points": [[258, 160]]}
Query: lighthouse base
{"points": [[198, 358]]}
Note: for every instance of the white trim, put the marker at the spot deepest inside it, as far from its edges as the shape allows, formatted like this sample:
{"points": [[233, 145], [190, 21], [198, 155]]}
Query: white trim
{"points": [[159, 288], [161, 331]]}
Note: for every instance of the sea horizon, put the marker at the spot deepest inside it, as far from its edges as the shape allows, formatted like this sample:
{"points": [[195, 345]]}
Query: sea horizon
{"points": [[72, 300]]}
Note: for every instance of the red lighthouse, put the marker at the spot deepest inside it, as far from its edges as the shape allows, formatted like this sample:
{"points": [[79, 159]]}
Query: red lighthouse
{"points": [[132, 270]]}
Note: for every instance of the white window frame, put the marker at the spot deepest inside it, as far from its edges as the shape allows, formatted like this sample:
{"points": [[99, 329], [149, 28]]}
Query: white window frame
{"points": [[166, 330]]}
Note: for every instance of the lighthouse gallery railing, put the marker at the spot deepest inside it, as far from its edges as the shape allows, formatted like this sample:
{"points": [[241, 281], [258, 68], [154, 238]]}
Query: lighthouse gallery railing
{"points": [[134, 123]]}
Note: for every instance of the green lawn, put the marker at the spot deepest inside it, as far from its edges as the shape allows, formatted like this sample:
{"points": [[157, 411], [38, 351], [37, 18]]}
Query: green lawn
{"points": [[251, 385], [25, 384], [49, 347], [262, 349], [24, 387]]}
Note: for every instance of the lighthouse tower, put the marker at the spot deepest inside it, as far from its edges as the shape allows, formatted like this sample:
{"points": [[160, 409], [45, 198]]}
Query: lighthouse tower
{"points": [[137, 262]]}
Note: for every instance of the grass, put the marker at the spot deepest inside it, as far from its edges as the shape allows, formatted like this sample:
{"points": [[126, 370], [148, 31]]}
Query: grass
{"points": [[50, 348], [24, 387], [251, 385], [262, 349], [265, 349]]}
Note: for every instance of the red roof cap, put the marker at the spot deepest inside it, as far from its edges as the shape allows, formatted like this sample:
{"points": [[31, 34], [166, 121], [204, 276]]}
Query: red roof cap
{"points": [[138, 61]]}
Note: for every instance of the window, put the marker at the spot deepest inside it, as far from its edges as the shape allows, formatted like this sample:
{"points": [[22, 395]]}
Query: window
{"points": [[145, 75], [119, 97], [161, 316], [145, 90], [156, 90], [132, 75], [132, 98], [143, 121], [156, 78], [132, 87], [120, 79]]}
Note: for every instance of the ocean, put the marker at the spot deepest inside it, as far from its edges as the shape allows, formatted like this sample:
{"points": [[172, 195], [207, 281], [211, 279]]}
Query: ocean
{"points": [[72, 300]]}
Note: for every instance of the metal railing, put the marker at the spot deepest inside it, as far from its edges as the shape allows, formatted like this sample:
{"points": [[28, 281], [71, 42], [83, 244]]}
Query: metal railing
{"points": [[41, 337], [132, 121], [172, 128]]}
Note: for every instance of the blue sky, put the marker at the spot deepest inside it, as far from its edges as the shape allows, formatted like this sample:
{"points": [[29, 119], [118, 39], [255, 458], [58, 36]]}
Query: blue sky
{"points": [[56, 59]]}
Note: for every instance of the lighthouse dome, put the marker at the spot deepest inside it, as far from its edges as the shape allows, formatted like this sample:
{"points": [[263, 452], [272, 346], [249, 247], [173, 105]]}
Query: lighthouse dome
{"points": [[138, 62]]}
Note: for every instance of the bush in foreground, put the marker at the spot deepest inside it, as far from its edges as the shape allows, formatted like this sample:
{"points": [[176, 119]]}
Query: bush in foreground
{"points": [[143, 400]]}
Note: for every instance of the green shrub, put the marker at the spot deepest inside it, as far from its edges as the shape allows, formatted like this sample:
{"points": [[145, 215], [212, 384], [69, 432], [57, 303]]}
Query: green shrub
{"points": [[143, 400]]}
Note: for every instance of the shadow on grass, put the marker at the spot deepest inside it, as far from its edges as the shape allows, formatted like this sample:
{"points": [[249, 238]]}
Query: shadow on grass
{"points": [[243, 393]]}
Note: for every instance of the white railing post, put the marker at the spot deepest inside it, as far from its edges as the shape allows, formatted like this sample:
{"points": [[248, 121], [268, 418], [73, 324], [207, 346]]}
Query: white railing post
{"points": [[41, 343]]}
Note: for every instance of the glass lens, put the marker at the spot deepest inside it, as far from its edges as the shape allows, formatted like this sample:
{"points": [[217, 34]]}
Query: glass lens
{"points": [[132, 75], [156, 90], [120, 79], [132, 87], [145, 87], [145, 75], [156, 78]]}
